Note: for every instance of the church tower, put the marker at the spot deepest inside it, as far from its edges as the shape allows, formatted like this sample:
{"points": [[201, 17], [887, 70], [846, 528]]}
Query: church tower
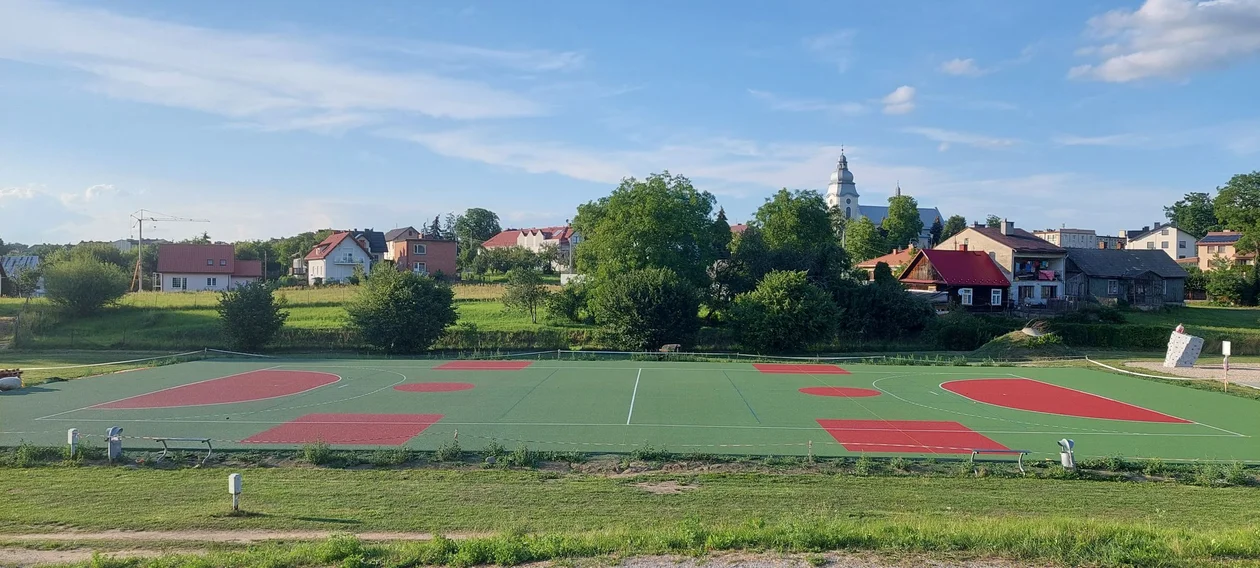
{"points": [[842, 192]]}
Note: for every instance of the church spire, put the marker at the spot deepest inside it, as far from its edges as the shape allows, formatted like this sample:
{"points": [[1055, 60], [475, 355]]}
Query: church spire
{"points": [[898, 191]]}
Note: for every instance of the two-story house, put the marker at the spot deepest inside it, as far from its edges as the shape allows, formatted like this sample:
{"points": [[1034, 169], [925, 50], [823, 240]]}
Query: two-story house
{"points": [[413, 251], [1221, 246], [1034, 266], [336, 257], [1079, 238], [192, 268], [1175, 242], [535, 239]]}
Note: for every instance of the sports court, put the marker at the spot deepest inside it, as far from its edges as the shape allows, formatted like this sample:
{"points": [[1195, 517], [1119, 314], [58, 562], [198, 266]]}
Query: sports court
{"points": [[791, 408]]}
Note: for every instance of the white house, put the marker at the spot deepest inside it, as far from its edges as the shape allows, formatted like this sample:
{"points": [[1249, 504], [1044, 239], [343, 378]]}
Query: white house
{"points": [[335, 259], [192, 268], [535, 239], [1168, 238]]}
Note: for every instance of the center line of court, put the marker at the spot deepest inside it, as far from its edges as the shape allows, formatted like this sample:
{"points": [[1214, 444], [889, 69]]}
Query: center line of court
{"points": [[634, 394]]}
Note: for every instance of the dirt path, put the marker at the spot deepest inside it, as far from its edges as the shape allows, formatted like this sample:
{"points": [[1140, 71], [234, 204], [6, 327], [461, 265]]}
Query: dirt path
{"points": [[1248, 374]]}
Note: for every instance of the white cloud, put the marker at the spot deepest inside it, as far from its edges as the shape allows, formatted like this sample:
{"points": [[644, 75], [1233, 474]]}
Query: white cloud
{"points": [[947, 137], [900, 101], [835, 48], [777, 102], [963, 68], [32, 215], [1114, 140], [92, 193], [274, 80], [1170, 39]]}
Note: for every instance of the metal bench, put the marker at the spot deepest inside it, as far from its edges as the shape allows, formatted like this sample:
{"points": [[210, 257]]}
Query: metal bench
{"points": [[166, 448], [1019, 461]]}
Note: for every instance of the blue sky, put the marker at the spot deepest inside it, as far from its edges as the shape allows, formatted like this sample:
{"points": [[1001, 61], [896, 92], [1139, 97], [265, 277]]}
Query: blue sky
{"points": [[275, 117]]}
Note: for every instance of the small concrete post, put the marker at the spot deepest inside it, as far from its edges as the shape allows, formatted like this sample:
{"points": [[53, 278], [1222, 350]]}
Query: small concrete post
{"points": [[234, 488], [72, 438], [113, 440]]}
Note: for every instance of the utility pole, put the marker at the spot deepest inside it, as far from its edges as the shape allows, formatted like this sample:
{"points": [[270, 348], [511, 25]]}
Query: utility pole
{"points": [[141, 216]]}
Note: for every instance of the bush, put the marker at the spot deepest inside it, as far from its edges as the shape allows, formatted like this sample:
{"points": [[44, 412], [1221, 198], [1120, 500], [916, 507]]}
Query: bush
{"points": [[525, 292], [569, 304], [962, 331], [645, 309], [880, 311], [401, 312], [251, 315], [1226, 286], [784, 313], [83, 285], [1110, 336]]}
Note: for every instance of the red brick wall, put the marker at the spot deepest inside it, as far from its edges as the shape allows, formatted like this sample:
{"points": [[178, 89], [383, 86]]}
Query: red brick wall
{"points": [[439, 256]]}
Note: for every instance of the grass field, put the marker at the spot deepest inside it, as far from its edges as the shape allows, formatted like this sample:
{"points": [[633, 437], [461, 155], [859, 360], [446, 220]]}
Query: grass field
{"points": [[720, 408]]}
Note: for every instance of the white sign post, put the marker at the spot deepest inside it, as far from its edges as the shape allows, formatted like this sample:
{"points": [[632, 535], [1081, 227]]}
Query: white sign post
{"points": [[234, 487], [1225, 349]]}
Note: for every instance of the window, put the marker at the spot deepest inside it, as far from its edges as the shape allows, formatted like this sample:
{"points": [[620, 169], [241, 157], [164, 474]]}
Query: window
{"points": [[1025, 293], [1165, 287], [175, 283], [420, 268], [1164, 232], [966, 296], [1150, 244], [222, 262], [995, 297], [1048, 292], [1113, 287], [419, 249], [209, 262], [1181, 244], [212, 282], [1163, 244]]}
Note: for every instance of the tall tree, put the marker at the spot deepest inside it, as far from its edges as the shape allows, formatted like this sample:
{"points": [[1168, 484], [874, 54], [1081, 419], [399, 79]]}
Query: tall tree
{"points": [[1237, 207], [721, 235], [838, 222], [936, 230], [784, 313], [658, 222], [1194, 214], [993, 222], [525, 292], [251, 315], [448, 226], [798, 235], [435, 228], [646, 309], [476, 225], [864, 240], [954, 225], [903, 224]]}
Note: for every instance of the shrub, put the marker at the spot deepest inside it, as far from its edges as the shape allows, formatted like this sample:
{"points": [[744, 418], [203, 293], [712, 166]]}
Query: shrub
{"points": [[644, 309], [1110, 336], [449, 452], [84, 285], [525, 291], [317, 453], [880, 311], [569, 304], [401, 312], [784, 313], [962, 331], [251, 315], [522, 456]]}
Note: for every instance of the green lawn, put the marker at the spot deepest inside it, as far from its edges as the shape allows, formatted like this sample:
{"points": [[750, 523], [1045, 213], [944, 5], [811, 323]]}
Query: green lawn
{"points": [[1198, 317]]}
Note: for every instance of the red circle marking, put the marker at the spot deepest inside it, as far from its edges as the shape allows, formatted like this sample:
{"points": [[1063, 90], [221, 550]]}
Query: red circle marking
{"points": [[846, 392], [1036, 396], [434, 387]]}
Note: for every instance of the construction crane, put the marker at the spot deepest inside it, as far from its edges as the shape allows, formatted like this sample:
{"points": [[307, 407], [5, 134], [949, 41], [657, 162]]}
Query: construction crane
{"points": [[140, 217]]}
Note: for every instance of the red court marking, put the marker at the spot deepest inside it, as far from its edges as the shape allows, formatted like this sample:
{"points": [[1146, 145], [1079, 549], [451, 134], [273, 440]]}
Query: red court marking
{"points": [[793, 369], [245, 387], [847, 392], [1036, 396], [349, 429], [483, 366], [907, 436], [434, 387]]}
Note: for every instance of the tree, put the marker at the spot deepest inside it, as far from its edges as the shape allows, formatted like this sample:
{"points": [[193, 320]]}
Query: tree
{"points": [[401, 312], [1237, 207], [993, 222], [251, 315], [784, 313], [882, 311], [101, 252], [798, 235], [936, 230], [1194, 214], [525, 292], [448, 226], [476, 225], [84, 285], [1196, 279], [883, 275], [646, 308], [1225, 285], [434, 229], [721, 235], [838, 222], [203, 239], [864, 240], [954, 225], [903, 224], [658, 222]]}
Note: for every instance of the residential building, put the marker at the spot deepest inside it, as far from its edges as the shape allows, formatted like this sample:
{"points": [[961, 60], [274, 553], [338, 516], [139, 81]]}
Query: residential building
{"points": [[1221, 246], [422, 254], [335, 258], [842, 193], [1175, 242], [1141, 277], [967, 278], [896, 260], [192, 268], [1078, 238], [739, 228], [12, 267], [1034, 266], [373, 241], [535, 239]]}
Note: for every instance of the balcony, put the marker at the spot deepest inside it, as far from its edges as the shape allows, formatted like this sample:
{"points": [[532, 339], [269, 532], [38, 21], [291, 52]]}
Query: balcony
{"points": [[346, 260], [1038, 276]]}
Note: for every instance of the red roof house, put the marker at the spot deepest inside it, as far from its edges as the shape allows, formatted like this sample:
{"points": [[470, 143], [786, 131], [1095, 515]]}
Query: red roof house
{"points": [[336, 258], [968, 278], [894, 260], [534, 239], [193, 267]]}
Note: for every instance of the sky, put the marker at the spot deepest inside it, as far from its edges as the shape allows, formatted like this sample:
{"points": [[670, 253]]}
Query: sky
{"points": [[273, 117]]}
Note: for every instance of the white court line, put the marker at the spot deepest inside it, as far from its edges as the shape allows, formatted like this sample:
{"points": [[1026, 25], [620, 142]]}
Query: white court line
{"points": [[634, 394], [166, 389]]}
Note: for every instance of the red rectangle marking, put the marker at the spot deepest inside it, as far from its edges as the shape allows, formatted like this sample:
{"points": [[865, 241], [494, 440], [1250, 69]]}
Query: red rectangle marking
{"points": [[799, 369], [348, 429], [483, 366], [907, 436]]}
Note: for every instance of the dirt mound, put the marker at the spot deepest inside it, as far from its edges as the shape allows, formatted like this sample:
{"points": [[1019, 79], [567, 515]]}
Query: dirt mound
{"points": [[1018, 345]]}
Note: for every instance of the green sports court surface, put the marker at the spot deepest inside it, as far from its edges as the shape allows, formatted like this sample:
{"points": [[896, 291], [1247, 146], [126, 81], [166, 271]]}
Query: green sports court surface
{"points": [[617, 406]]}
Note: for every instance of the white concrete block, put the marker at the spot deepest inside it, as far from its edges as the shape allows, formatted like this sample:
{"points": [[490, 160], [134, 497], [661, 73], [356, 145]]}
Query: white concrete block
{"points": [[1183, 350]]}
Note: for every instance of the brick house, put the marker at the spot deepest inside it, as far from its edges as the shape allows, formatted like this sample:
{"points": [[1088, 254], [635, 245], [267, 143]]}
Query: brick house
{"points": [[411, 250], [192, 268]]}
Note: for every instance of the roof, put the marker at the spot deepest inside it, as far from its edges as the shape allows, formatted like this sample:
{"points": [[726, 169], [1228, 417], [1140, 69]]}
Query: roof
{"points": [[1019, 240], [325, 247], [1154, 230], [1220, 238], [248, 269], [895, 258], [395, 234], [508, 238], [739, 228], [1125, 263], [960, 268], [12, 265], [196, 259], [877, 213], [375, 239]]}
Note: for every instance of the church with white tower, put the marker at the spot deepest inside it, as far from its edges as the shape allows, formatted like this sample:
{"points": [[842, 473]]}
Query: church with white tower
{"points": [[843, 193]]}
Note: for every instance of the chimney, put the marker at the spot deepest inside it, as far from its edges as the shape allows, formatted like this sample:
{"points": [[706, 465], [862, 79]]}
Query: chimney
{"points": [[1007, 227], [1157, 225], [962, 247]]}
